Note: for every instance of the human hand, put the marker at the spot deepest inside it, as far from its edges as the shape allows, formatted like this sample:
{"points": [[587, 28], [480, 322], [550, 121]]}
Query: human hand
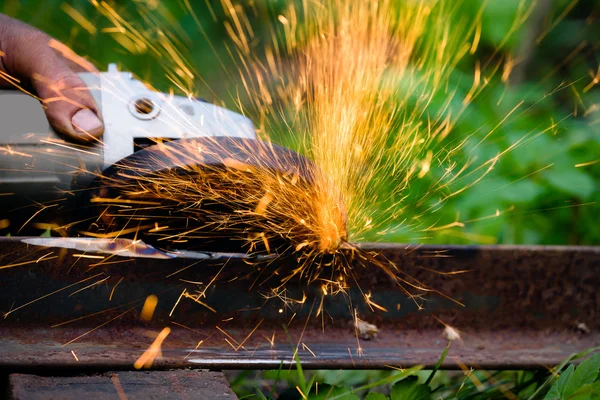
{"points": [[49, 68]]}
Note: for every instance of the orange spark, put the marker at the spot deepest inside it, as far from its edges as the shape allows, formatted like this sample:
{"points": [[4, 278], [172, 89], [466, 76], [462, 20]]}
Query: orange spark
{"points": [[149, 307], [147, 358]]}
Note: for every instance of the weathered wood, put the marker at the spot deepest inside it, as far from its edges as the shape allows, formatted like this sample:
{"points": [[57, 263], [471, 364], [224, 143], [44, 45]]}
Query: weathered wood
{"points": [[177, 384]]}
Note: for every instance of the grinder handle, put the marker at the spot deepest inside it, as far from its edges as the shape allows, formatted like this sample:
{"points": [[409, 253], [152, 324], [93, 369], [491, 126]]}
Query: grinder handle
{"points": [[36, 163]]}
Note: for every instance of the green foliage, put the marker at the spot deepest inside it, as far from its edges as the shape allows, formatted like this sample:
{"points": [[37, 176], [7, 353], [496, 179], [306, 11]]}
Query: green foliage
{"points": [[557, 391], [410, 389], [572, 182], [566, 381], [537, 187], [578, 383], [327, 392], [376, 396]]}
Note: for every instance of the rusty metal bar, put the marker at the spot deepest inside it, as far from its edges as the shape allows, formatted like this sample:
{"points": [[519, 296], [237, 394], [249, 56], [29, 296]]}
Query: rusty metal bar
{"points": [[524, 307]]}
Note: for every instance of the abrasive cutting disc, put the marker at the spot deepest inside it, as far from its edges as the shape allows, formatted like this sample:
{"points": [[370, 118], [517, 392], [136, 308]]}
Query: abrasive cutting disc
{"points": [[214, 193]]}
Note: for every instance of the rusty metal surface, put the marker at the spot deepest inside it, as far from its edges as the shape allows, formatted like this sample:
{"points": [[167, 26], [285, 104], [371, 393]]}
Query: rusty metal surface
{"points": [[180, 384], [524, 307]]}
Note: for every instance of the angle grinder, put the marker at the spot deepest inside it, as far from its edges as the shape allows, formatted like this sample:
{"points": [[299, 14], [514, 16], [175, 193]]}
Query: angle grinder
{"points": [[169, 170]]}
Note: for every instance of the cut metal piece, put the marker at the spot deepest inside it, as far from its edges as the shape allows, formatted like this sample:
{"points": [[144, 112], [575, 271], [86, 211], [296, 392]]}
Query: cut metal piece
{"points": [[523, 306], [133, 248]]}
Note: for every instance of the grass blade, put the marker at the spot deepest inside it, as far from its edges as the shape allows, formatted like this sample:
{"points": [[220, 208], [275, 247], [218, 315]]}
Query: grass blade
{"points": [[438, 364]]}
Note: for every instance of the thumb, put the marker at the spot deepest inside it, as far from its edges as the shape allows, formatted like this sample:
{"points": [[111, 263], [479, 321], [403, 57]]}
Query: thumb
{"points": [[69, 105]]}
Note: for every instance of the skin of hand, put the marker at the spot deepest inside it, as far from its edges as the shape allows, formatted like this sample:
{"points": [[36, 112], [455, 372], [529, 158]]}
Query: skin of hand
{"points": [[49, 69]]}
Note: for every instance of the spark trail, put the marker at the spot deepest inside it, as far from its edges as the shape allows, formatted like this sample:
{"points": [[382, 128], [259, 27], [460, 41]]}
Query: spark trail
{"points": [[351, 85], [356, 82]]}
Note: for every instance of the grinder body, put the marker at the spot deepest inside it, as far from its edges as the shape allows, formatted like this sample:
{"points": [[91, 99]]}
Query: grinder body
{"points": [[41, 173]]}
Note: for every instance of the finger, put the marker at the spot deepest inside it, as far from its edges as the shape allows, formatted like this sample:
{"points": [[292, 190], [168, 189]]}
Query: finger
{"points": [[70, 107], [74, 61]]}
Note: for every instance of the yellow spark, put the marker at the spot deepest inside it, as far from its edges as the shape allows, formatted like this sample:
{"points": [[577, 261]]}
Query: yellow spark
{"points": [[46, 226], [241, 344], [525, 177], [454, 224], [476, 38], [195, 348], [124, 201], [263, 204], [42, 208], [476, 83], [149, 307], [301, 393], [468, 372], [15, 82], [118, 233], [63, 144], [425, 165], [112, 292], [594, 82], [565, 12], [104, 262], [84, 317], [88, 256], [196, 299], [271, 340], [371, 303], [9, 151], [96, 328], [305, 347], [509, 65], [89, 286], [7, 266], [147, 358], [80, 19], [585, 164], [114, 377], [232, 163], [158, 228], [229, 339], [354, 83], [592, 109]]}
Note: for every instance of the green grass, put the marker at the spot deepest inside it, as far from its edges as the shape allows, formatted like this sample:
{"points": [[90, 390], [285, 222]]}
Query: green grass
{"points": [[565, 381]]}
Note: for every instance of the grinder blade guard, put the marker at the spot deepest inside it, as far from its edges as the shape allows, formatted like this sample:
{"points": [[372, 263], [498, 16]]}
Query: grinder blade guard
{"points": [[206, 193]]}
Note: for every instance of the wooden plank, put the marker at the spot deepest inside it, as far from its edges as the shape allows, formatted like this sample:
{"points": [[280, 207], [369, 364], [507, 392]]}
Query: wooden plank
{"points": [[177, 384]]}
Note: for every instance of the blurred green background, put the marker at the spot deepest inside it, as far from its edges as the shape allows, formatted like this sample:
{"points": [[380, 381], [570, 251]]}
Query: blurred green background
{"points": [[545, 202]]}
